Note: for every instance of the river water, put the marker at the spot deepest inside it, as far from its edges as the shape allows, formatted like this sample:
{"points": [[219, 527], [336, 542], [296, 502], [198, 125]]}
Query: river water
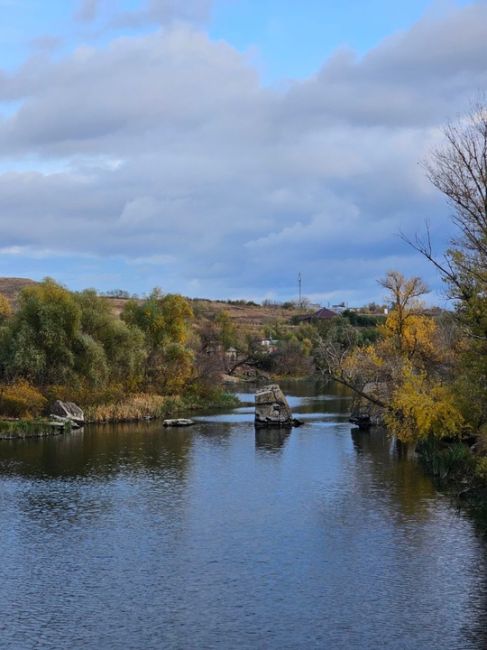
{"points": [[138, 537]]}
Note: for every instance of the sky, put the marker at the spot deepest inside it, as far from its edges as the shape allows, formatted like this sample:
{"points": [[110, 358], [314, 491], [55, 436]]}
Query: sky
{"points": [[218, 148]]}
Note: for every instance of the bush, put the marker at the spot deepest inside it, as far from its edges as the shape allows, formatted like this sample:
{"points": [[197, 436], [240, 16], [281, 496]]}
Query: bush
{"points": [[21, 400], [85, 395], [450, 462]]}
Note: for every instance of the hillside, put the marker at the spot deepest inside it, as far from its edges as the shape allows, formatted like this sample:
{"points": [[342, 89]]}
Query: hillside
{"points": [[244, 314], [11, 287]]}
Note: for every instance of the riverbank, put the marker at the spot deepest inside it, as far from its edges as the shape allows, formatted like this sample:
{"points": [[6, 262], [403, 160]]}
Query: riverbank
{"points": [[131, 408]]}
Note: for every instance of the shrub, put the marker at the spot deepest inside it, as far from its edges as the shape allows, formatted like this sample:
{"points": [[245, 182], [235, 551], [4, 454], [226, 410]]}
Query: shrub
{"points": [[85, 395], [21, 400]]}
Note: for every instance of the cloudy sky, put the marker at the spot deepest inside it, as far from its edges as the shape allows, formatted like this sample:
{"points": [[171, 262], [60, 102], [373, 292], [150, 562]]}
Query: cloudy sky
{"points": [[218, 148]]}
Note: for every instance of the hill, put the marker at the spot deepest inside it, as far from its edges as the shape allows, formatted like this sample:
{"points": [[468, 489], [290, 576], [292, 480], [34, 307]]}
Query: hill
{"points": [[11, 287], [248, 315]]}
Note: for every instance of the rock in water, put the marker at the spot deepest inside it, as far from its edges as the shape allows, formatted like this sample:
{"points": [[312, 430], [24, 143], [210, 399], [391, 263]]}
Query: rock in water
{"points": [[271, 408], [68, 411], [178, 422]]}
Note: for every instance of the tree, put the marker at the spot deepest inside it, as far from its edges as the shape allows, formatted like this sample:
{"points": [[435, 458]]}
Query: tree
{"points": [[403, 373], [403, 295], [122, 357], [42, 337], [165, 322], [458, 170]]}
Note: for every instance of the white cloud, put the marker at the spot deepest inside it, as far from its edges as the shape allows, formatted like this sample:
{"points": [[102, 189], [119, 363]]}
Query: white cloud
{"points": [[165, 149]]}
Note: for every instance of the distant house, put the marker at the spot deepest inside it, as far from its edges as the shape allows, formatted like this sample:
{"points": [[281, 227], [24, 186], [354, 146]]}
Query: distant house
{"points": [[324, 314], [321, 314], [269, 345]]}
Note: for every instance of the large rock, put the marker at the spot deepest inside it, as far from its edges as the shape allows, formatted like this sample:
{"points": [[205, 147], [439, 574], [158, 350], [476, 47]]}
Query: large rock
{"points": [[271, 408], [68, 411]]}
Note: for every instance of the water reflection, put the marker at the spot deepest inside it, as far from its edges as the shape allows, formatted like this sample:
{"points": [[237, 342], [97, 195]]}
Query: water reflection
{"points": [[392, 470], [102, 451], [272, 439]]}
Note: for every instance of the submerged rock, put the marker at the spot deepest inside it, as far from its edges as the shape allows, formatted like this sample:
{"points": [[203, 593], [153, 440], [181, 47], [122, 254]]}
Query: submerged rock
{"points": [[68, 411], [272, 409], [178, 422], [58, 421]]}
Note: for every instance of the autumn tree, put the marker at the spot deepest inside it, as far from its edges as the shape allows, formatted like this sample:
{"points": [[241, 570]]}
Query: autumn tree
{"points": [[403, 298], [400, 375]]}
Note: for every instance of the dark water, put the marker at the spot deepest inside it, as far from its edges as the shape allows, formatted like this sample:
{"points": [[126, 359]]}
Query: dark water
{"points": [[139, 537]]}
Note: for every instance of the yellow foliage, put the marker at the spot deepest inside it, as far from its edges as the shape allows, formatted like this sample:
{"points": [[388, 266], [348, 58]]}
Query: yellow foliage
{"points": [[413, 334], [364, 361], [422, 408], [21, 400]]}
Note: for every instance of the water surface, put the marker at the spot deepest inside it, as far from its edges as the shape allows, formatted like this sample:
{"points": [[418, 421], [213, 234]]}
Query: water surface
{"points": [[135, 537]]}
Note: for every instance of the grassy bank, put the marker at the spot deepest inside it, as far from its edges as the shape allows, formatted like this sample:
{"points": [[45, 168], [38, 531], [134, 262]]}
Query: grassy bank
{"points": [[34, 428]]}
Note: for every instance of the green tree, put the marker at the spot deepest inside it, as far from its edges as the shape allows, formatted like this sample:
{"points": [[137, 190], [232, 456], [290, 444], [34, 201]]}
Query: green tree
{"points": [[122, 354], [165, 321], [44, 337]]}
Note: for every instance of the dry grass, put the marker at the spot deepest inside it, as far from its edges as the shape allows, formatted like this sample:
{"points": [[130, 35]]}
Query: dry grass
{"points": [[134, 407]]}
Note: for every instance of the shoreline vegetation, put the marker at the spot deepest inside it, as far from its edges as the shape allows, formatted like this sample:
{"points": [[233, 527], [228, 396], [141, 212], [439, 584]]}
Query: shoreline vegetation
{"points": [[133, 408]]}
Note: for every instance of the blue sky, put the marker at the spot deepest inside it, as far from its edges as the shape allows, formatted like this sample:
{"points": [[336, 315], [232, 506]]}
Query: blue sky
{"points": [[217, 148], [287, 38], [292, 39]]}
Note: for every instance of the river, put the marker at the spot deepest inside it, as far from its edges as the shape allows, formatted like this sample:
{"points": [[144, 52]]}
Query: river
{"points": [[132, 536]]}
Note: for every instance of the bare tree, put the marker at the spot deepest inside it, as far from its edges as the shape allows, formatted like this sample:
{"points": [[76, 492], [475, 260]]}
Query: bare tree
{"points": [[459, 170]]}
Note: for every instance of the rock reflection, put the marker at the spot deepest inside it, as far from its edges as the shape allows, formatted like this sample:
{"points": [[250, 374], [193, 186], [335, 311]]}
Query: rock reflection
{"points": [[272, 439]]}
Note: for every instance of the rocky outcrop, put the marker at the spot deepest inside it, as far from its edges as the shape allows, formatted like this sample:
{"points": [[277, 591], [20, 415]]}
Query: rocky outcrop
{"points": [[67, 411], [272, 409]]}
